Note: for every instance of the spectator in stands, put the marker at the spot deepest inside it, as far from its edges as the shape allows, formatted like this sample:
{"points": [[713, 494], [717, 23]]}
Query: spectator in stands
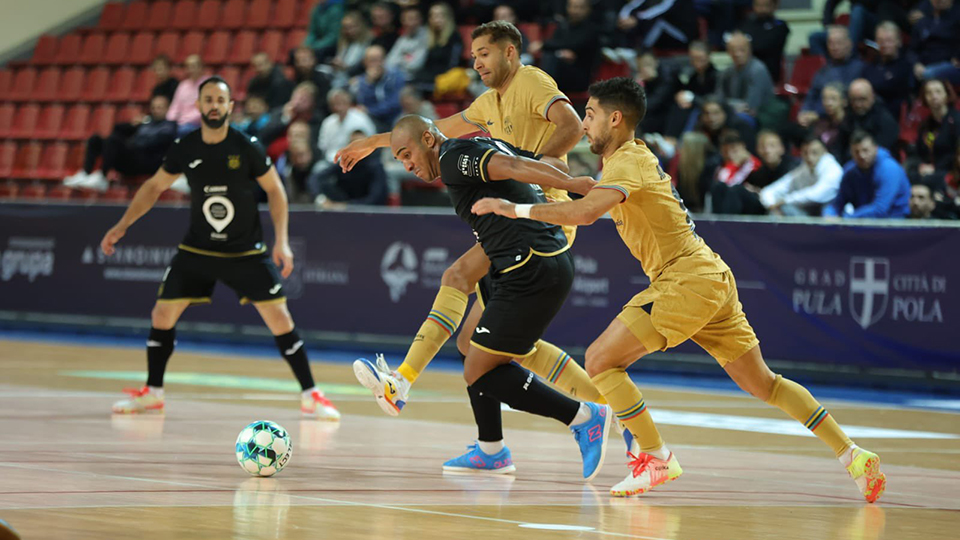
{"points": [[324, 29], [891, 73], [768, 35], [659, 83], [874, 185], [295, 168], [939, 133], [696, 167], [842, 66], [301, 107], [269, 81], [355, 37], [305, 69], [183, 109], [256, 115], [383, 22], [344, 120], [715, 117], [412, 102], [746, 85], [505, 12], [410, 50], [378, 89], [952, 178], [366, 183], [867, 115], [166, 83], [926, 202], [668, 24], [744, 198], [826, 127], [694, 83], [444, 47], [738, 165], [808, 187], [130, 150], [936, 43], [570, 55]]}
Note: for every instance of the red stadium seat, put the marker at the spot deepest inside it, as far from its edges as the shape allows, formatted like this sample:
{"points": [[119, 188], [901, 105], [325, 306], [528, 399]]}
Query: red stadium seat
{"points": [[218, 46], [28, 157], [121, 85], [71, 84], [295, 39], [531, 30], [609, 70], [135, 16], [48, 84], [33, 192], [25, 121], [446, 108], [45, 51], [6, 80], [8, 190], [272, 44], [111, 18], [93, 49], [306, 10], [143, 86], [129, 113], [231, 74], [117, 50], [59, 192], [284, 14], [804, 69], [184, 15], [192, 43], [102, 120], [258, 15], [234, 14], [208, 16], [244, 45], [50, 122], [75, 155], [7, 112], [141, 50], [88, 196], [8, 155], [53, 161], [465, 31], [75, 123], [159, 15], [23, 84], [95, 90], [169, 44], [116, 193], [68, 53]]}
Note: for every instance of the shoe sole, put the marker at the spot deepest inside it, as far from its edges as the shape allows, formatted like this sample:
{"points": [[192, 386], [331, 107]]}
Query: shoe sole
{"points": [[876, 480], [371, 381], [603, 442], [314, 416], [625, 494], [152, 410], [463, 470]]}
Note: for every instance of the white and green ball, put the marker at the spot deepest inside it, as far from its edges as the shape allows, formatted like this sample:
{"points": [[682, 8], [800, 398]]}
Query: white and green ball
{"points": [[263, 448]]}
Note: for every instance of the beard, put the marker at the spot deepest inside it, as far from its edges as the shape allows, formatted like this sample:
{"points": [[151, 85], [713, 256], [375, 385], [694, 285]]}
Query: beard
{"points": [[599, 143], [214, 123]]}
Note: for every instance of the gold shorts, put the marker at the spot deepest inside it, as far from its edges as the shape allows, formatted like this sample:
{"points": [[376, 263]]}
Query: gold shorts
{"points": [[679, 306]]}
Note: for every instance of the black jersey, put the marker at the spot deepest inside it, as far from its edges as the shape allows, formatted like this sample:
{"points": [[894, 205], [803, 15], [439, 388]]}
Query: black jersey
{"points": [[224, 219], [507, 242]]}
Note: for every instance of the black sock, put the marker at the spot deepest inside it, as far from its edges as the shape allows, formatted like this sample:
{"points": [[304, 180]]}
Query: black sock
{"points": [[521, 390], [292, 350], [159, 348], [486, 412]]}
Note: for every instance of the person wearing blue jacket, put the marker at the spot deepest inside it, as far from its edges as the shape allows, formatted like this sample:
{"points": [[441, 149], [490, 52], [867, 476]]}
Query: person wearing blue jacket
{"points": [[378, 89], [874, 185]]}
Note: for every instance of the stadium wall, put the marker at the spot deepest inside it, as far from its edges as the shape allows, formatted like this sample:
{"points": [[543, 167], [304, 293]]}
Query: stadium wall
{"points": [[23, 22]]}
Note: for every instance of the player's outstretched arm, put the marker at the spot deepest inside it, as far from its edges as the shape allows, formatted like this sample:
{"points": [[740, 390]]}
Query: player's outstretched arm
{"points": [[142, 202], [353, 153], [568, 133], [581, 212], [280, 215], [530, 171]]}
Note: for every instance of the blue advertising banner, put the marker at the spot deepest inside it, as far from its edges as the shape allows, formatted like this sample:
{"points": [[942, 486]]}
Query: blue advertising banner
{"points": [[872, 296]]}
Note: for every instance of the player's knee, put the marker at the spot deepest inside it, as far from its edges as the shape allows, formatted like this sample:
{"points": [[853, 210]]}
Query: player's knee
{"points": [[463, 342], [455, 278], [594, 361], [162, 318]]}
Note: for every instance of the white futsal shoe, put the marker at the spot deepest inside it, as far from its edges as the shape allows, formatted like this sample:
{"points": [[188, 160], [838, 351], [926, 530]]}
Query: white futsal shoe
{"points": [[389, 387]]}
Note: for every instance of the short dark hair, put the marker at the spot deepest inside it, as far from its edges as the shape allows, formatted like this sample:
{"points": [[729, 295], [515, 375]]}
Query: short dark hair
{"points": [[811, 137], [947, 87], [730, 136], [214, 80], [860, 136], [499, 31], [621, 94]]}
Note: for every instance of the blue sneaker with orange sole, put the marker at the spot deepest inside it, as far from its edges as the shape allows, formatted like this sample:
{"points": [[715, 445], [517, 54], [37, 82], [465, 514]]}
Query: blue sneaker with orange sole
{"points": [[475, 461]]}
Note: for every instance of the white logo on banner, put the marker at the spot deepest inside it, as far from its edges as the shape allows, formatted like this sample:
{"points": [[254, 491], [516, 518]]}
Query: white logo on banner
{"points": [[869, 289], [219, 212], [30, 257], [398, 268]]}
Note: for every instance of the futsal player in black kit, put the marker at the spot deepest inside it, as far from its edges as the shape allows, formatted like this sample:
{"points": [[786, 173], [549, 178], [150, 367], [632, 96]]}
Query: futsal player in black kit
{"points": [[224, 243], [531, 272]]}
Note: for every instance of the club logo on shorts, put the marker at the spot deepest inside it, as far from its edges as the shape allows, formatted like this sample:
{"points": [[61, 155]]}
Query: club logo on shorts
{"points": [[233, 162], [482, 330], [275, 289]]}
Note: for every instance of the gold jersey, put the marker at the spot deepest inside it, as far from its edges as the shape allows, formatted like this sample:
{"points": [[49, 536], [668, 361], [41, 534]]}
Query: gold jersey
{"points": [[519, 117], [652, 220]]}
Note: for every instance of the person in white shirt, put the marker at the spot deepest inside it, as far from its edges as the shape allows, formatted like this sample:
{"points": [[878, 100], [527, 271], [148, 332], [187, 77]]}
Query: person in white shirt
{"points": [[344, 119], [805, 190]]}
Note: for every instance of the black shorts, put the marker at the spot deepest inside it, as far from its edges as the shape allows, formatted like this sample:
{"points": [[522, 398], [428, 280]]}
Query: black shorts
{"points": [[519, 305], [192, 277]]}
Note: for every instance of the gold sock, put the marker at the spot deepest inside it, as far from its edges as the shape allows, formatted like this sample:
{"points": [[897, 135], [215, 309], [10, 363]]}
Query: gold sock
{"points": [[797, 402], [444, 319], [628, 406], [557, 368]]}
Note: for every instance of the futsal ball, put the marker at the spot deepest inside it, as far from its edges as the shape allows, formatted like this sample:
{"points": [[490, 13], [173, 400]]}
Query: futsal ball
{"points": [[263, 448]]}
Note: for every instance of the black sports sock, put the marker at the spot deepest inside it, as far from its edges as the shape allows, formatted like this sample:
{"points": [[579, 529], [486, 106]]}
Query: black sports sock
{"points": [[292, 350], [159, 348], [519, 388], [486, 412]]}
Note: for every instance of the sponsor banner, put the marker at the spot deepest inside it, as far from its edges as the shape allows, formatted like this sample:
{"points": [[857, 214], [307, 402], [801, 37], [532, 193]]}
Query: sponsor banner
{"points": [[868, 296]]}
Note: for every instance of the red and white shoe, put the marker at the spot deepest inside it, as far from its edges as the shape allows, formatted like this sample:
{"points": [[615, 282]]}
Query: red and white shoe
{"points": [[316, 405], [646, 473], [143, 400]]}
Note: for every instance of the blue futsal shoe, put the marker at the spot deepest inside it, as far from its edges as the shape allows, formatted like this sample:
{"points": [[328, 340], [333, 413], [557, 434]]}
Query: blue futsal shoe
{"points": [[475, 461], [592, 438], [633, 447]]}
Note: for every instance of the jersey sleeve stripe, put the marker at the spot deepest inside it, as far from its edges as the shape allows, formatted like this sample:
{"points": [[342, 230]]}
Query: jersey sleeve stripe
{"points": [[467, 120], [623, 191], [561, 97], [483, 164]]}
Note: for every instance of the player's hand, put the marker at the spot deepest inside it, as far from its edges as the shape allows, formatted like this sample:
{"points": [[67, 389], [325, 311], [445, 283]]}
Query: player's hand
{"points": [[351, 154], [283, 258], [500, 207], [111, 238], [582, 184]]}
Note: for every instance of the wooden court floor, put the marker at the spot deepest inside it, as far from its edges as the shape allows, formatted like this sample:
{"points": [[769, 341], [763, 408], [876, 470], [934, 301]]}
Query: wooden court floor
{"points": [[70, 470]]}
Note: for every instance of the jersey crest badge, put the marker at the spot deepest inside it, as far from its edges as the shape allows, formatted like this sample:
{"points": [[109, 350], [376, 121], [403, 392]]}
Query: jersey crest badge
{"points": [[233, 162]]}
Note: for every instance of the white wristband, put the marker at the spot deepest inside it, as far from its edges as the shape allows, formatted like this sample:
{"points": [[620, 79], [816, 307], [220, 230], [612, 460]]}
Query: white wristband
{"points": [[522, 210]]}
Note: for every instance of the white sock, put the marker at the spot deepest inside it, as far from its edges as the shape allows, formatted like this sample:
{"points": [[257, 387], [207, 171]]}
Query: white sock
{"points": [[490, 448], [582, 416], [400, 376], [660, 453], [306, 393], [156, 390], [846, 458]]}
